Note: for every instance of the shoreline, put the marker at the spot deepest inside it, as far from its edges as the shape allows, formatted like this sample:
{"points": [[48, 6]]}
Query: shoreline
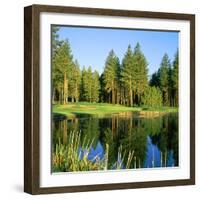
{"points": [[83, 109]]}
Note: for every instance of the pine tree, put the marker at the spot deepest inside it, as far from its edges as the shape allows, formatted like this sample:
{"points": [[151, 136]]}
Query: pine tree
{"points": [[128, 75], [118, 82], [90, 85], [55, 74], [102, 93], [140, 72], [175, 78], [170, 86], [82, 86], [74, 82], [87, 84], [63, 63], [95, 87], [154, 81], [55, 41], [163, 74], [111, 75]]}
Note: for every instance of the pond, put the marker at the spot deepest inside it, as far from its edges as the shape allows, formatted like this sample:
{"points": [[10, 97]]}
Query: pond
{"points": [[153, 140]]}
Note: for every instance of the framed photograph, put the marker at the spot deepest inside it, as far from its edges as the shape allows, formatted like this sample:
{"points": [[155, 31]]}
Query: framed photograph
{"points": [[109, 99]]}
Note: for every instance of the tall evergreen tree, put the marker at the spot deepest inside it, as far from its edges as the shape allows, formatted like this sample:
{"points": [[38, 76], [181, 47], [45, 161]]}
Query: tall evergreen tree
{"points": [[154, 81], [110, 75], [55, 41], [127, 74], [82, 86], [91, 85], [140, 72], [163, 74], [102, 93], [170, 86], [175, 78], [118, 82], [63, 62], [87, 84], [95, 87], [74, 82], [55, 74]]}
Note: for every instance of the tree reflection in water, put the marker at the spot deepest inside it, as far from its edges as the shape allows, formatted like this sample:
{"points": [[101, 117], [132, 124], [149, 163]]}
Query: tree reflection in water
{"points": [[154, 140]]}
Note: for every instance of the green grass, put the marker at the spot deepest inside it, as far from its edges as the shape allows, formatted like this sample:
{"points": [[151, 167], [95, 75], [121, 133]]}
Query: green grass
{"points": [[161, 109], [101, 109]]}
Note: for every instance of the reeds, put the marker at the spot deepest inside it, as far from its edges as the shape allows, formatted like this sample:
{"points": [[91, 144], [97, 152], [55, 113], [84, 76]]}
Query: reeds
{"points": [[73, 156]]}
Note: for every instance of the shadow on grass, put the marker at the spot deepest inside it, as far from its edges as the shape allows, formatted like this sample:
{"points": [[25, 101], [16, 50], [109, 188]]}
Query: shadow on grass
{"points": [[82, 115], [145, 108], [58, 116]]}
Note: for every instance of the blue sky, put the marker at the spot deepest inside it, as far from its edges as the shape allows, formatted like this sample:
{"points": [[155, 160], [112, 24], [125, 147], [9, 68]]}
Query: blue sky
{"points": [[90, 46]]}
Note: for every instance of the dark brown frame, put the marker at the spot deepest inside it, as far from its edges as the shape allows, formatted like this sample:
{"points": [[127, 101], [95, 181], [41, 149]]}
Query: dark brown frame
{"points": [[32, 105]]}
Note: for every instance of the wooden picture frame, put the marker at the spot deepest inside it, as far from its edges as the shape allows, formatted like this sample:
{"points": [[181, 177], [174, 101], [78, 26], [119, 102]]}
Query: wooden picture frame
{"points": [[32, 97]]}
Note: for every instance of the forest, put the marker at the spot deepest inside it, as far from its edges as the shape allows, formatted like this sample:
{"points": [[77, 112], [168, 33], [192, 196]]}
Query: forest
{"points": [[124, 82]]}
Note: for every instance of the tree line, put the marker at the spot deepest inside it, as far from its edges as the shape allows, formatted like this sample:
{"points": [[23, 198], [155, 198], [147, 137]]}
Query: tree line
{"points": [[125, 82]]}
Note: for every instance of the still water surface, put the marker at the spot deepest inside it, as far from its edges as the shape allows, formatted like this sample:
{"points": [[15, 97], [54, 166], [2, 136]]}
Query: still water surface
{"points": [[154, 140]]}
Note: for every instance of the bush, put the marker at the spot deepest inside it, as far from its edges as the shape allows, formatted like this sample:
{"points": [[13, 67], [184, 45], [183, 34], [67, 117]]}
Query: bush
{"points": [[152, 97]]}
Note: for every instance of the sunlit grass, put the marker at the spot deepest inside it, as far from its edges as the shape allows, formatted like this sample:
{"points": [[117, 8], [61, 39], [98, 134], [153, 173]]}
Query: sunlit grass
{"points": [[101, 109]]}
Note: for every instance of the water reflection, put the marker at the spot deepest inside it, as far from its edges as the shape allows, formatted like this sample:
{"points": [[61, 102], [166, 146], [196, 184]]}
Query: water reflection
{"points": [[154, 140]]}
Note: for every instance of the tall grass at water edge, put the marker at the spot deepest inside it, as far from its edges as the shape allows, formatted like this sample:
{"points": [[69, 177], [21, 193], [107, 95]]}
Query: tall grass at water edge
{"points": [[73, 156]]}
